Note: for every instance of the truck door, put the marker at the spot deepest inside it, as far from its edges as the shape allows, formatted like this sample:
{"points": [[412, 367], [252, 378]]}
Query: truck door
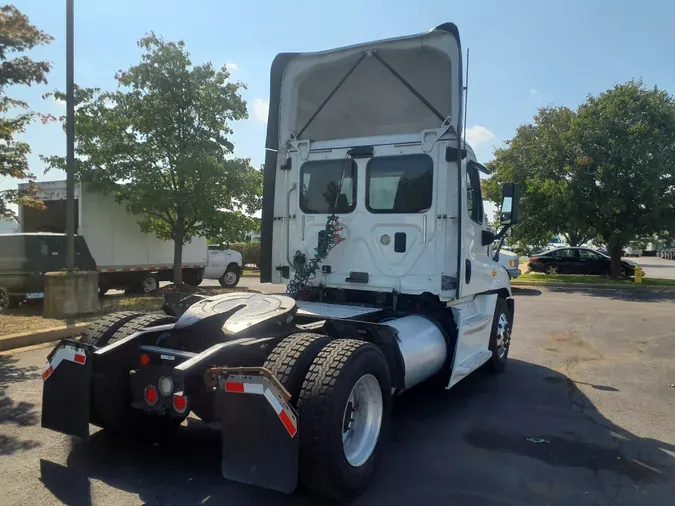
{"points": [[477, 267]]}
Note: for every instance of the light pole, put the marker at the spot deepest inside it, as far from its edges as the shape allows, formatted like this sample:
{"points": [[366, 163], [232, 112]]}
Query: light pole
{"points": [[70, 139]]}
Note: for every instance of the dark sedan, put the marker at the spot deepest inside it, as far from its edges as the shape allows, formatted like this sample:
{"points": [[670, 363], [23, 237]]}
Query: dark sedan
{"points": [[577, 261]]}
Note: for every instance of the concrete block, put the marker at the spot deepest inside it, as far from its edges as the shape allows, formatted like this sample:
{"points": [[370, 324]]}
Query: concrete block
{"points": [[70, 293]]}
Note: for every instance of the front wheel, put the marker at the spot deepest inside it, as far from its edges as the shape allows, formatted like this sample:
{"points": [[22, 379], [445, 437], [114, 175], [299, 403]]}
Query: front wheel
{"points": [[344, 408], [229, 279], [500, 337]]}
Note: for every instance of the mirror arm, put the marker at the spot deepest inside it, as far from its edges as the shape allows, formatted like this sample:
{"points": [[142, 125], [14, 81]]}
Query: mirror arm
{"points": [[501, 236]]}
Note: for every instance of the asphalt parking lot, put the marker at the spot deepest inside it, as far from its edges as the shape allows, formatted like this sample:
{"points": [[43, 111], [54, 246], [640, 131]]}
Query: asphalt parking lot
{"points": [[582, 416]]}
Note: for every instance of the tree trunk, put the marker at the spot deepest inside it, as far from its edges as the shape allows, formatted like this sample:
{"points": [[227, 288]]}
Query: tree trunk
{"points": [[178, 237], [615, 255]]}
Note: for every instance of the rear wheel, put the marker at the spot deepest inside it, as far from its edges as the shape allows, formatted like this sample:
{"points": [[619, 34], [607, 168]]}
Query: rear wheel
{"points": [[552, 269], [291, 359], [142, 322], [138, 424], [344, 408], [148, 284], [99, 333], [6, 301]]}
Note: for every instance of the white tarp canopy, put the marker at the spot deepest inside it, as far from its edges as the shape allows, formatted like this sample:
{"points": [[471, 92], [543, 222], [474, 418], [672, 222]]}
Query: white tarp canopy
{"points": [[384, 88]]}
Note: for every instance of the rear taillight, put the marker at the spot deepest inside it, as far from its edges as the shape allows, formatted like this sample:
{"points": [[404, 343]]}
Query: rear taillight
{"points": [[151, 395], [145, 359], [180, 403], [534, 259]]}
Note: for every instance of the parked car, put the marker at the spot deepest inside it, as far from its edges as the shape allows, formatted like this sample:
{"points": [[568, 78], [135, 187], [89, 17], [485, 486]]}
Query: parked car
{"points": [[24, 259], [223, 264], [577, 261]]}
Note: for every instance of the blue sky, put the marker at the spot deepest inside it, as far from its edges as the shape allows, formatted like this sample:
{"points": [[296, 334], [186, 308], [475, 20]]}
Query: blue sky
{"points": [[524, 54]]}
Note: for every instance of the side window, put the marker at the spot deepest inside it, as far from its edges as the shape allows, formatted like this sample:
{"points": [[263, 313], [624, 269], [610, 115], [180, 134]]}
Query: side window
{"points": [[474, 198], [588, 254], [328, 186], [399, 184], [566, 253]]}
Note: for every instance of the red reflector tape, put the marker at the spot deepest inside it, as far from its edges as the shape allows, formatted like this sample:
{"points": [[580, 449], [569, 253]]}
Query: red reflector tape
{"points": [[231, 386], [288, 423], [47, 372], [68, 353]]}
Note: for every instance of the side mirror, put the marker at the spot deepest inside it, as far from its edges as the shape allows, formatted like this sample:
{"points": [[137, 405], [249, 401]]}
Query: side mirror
{"points": [[510, 204], [488, 237]]}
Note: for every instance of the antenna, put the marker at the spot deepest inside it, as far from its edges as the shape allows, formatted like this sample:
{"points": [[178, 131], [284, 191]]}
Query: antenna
{"points": [[466, 96]]}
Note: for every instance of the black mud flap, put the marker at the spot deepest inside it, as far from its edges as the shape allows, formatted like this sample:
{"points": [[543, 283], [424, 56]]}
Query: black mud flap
{"points": [[66, 392], [259, 432]]}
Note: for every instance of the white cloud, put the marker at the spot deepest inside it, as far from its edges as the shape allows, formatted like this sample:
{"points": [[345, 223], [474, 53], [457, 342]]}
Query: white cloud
{"points": [[232, 67], [261, 107], [478, 134], [534, 92]]}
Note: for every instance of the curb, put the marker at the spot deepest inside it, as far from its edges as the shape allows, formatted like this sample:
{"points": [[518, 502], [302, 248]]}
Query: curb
{"points": [[596, 285], [12, 341]]}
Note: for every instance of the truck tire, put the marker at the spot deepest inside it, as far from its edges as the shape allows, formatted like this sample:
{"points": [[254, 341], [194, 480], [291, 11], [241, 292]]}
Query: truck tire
{"points": [[230, 277], [291, 359], [148, 283], [344, 408], [140, 323], [500, 336], [99, 333], [6, 300]]}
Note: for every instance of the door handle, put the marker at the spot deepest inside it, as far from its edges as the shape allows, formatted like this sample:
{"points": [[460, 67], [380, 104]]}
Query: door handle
{"points": [[467, 271]]}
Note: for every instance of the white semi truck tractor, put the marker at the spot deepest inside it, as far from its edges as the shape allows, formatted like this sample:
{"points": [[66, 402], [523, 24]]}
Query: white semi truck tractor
{"points": [[373, 217]]}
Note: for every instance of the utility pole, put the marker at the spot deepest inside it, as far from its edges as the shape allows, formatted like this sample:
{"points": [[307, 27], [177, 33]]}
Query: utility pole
{"points": [[70, 139]]}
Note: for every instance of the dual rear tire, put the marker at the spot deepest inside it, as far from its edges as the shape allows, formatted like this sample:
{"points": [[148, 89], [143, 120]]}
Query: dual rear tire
{"points": [[342, 392]]}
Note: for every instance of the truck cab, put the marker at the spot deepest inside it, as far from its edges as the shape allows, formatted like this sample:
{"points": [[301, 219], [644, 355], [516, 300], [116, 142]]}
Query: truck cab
{"points": [[372, 134]]}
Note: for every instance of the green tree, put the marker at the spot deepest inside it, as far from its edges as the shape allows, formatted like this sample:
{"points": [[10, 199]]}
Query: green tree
{"points": [[160, 145], [17, 35], [541, 157], [625, 178]]}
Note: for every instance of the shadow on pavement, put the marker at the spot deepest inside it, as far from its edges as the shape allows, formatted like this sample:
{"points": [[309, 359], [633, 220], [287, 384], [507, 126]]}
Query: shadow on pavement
{"points": [[18, 413], [646, 294], [528, 436], [518, 292]]}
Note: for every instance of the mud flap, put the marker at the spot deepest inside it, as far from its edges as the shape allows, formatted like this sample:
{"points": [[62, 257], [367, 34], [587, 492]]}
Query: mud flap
{"points": [[66, 393], [259, 432]]}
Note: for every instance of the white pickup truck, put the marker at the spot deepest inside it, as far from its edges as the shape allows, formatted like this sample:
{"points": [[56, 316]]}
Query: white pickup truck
{"points": [[223, 264], [510, 262]]}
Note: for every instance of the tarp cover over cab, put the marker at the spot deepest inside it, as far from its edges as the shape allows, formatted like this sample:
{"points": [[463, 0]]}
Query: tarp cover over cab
{"points": [[395, 86]]}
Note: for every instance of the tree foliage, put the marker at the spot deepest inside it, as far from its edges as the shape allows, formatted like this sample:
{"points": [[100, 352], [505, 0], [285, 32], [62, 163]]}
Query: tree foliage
{"points": [[541, 158], [160, 144], [17, 35], [605, 170], [625, 181]]}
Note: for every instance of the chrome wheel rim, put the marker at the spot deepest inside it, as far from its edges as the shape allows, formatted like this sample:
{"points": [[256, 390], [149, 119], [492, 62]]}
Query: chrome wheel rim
{"points": [[503, 335], [4, 299], [149, 284], [552, 269], [230, 278], [362, 420]]}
